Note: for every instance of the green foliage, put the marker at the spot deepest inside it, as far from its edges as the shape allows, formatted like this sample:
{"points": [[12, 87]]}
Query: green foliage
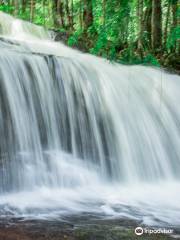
{"points": [[116, 26], [74, 38], [151, 60], [6, 8], [173, 37]]}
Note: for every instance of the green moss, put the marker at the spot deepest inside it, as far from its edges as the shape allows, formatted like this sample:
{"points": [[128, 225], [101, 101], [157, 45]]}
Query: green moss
{"points": [[106, 232]]}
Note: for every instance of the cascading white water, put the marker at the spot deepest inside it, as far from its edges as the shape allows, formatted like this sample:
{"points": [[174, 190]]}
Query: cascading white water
{"points": [[80, 134]]}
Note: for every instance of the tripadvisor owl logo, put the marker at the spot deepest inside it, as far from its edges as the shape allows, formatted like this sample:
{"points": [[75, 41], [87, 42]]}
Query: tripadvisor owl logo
{"points": [[138, 231]]}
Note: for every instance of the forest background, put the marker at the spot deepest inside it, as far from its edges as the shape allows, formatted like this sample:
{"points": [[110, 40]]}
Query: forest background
{"points": [[125, 31]]}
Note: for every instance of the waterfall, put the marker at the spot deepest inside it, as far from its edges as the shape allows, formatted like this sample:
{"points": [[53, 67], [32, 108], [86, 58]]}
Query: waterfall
{"points": [[79, 133]]}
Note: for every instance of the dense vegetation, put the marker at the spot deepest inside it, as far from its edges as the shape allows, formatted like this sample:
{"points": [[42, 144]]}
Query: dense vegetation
{"points": [[127, 31]]}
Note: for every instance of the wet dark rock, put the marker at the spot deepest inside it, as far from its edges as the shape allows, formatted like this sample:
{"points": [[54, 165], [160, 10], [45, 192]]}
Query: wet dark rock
{"points": [[171, 62], [61, 36], [73, 228]]}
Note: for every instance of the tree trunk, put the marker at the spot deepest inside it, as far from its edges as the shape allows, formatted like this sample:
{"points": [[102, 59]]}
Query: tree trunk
{"points": [[174, 18], [16, 7], [147, 22], [166, 24], [23, 6], [60, 12], [140, 23], [32, 7], [68, 14], [44, 12], [87, 14], [174, 12], [55, 13], [72, 15], [80, 14], [104, 12], [156, 25], [9, 3]]}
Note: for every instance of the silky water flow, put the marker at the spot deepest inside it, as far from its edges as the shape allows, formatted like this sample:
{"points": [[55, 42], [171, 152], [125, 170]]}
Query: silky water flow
{"points": [[81, 135]]}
